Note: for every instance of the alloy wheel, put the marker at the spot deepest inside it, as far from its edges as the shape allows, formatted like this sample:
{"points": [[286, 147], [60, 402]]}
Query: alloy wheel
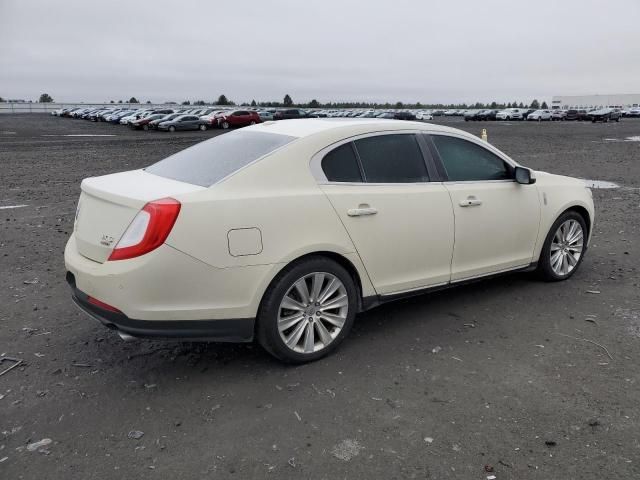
{"points": [[567, 247], [313, 312]]}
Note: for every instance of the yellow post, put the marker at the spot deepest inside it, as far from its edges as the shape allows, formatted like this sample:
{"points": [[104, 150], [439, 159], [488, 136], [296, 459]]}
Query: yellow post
{"points": [[484, 134]]}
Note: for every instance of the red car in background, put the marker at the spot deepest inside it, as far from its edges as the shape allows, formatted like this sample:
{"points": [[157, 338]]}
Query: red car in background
{"points": [[238, 118]]}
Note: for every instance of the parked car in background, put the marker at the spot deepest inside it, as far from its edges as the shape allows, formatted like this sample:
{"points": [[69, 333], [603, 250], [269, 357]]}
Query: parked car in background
{"points": [[558, 115], [238, 118], [605, 115], [472, 115], [291, 113], [527, 112], [423, 116], [143, 123], [633, 112], [183, 122], [265, 116], [573, 114], [488, 114], [404, 116], [153, 124], [510, 114], [539, 115]]}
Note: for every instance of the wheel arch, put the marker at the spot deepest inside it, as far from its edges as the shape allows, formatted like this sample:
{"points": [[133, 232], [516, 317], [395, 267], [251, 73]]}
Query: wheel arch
{"points": [[583, 212], [340, 259]]}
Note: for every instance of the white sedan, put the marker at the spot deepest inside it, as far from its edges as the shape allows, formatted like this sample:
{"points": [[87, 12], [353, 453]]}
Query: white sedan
{"points": [[283, 231]]}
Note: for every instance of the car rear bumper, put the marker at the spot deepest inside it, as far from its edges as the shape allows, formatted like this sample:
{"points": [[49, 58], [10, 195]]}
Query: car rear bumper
{"points": [[220, 330]]}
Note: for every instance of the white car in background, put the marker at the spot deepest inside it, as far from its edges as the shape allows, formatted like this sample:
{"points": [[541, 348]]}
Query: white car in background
{"points": [[540, 115], [283, 231], [511, 114], [132, 117], [424, 116]]}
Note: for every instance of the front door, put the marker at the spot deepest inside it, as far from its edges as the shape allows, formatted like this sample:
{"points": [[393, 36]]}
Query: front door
{"points": [[496, 218]]}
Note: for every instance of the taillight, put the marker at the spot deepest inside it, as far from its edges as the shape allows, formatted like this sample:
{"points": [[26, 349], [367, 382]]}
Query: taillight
{"points": [[148, 230]]}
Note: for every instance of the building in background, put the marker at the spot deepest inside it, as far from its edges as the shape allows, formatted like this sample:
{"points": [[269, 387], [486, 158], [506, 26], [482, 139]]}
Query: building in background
{"points": [[592, 101]]}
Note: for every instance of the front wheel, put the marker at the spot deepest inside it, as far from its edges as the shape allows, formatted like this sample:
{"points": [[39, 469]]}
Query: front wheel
{"points": [[203, 127], [564, 247], [172, 129], [225, 125], [307, 310]]}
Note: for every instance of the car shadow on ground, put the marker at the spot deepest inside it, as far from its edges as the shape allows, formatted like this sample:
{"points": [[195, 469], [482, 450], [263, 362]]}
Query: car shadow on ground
{"points": [[385, 327]]}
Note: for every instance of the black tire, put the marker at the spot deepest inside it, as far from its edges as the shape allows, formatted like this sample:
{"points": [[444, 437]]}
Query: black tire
{"points": [[203, 127], [544, 269], [145, 127], [267, 322]]}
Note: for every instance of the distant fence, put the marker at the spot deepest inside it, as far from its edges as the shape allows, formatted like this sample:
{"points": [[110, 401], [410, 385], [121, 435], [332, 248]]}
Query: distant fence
{"points": [[26, 107]]}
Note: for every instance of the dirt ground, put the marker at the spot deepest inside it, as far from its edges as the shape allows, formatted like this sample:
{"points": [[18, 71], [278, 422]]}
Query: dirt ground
{"points": [[512, 377]]}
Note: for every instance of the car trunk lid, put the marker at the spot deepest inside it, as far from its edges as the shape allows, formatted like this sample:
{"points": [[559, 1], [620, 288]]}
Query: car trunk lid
{"points": [[109, 203]]}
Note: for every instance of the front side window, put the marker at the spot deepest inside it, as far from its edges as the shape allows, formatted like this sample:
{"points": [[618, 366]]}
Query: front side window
{"points": [[341, 165], [208, 162], [465, 161], [394, 158]]}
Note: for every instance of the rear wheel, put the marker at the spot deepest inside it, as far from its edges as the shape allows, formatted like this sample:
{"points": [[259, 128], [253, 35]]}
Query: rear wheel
{"points": [[564, 247], [225, 125], [203, 127], [145, 127], [252, 122], [307, 310]]}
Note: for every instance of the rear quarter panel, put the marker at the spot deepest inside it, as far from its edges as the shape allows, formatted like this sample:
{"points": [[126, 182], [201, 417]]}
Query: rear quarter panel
{"points": [[276, 195]]}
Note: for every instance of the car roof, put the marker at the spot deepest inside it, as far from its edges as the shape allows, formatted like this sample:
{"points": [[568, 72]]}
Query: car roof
{"points": [[310, 126]]}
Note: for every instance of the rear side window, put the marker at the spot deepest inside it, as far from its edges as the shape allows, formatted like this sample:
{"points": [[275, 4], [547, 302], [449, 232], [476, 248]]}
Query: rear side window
{"points": [[394, 158], [341, 165], [208, 162], [466, 161]]}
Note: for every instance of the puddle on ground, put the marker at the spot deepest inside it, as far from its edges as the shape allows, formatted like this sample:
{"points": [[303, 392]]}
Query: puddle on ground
{"points": [[628, 139], [603, 184]]}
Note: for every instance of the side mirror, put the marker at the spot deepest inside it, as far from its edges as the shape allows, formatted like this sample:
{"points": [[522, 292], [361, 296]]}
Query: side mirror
{"points": [[525, 176]]}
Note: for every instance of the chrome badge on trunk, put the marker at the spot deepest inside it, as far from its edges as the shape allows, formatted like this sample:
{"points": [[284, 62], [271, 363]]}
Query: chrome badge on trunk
{"points": [[106, 240]]}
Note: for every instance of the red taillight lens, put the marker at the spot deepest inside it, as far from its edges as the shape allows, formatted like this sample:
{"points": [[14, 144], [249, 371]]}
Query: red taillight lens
{"points": [[148, 230], [102, 305]]}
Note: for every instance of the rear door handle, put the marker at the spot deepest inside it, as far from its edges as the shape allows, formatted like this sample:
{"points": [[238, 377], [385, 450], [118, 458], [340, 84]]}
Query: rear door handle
{"points": [[361, 211], [470, 201]]}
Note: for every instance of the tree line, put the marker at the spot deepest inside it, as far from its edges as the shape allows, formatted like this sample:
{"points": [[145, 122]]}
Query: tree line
{"points": [[287, 101]]}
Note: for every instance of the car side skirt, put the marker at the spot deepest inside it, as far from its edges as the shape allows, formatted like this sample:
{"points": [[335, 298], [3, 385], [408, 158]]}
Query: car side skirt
{"points": [[373, 301]]}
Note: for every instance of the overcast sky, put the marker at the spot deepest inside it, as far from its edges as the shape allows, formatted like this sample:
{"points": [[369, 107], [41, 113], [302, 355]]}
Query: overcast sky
{"points": [[375, 50]]}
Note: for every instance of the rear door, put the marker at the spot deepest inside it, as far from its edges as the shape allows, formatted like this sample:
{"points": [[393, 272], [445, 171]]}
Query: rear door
{"points": [[496, 218], [400, 222]]}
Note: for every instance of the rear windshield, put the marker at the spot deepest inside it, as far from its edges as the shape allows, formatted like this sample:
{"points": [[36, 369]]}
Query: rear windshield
{"points": [[209, 162]]}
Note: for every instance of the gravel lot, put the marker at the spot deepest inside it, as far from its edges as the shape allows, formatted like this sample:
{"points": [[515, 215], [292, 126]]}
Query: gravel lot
{"points": [[496, 378]]}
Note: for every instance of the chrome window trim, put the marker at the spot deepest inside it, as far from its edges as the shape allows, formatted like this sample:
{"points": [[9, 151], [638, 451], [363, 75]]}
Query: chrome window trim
{"points": [[315, 164]]}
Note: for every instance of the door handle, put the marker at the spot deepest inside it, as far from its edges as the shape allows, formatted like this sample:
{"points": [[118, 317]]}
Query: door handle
{"points": [[362, 210], [470, 201]]}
